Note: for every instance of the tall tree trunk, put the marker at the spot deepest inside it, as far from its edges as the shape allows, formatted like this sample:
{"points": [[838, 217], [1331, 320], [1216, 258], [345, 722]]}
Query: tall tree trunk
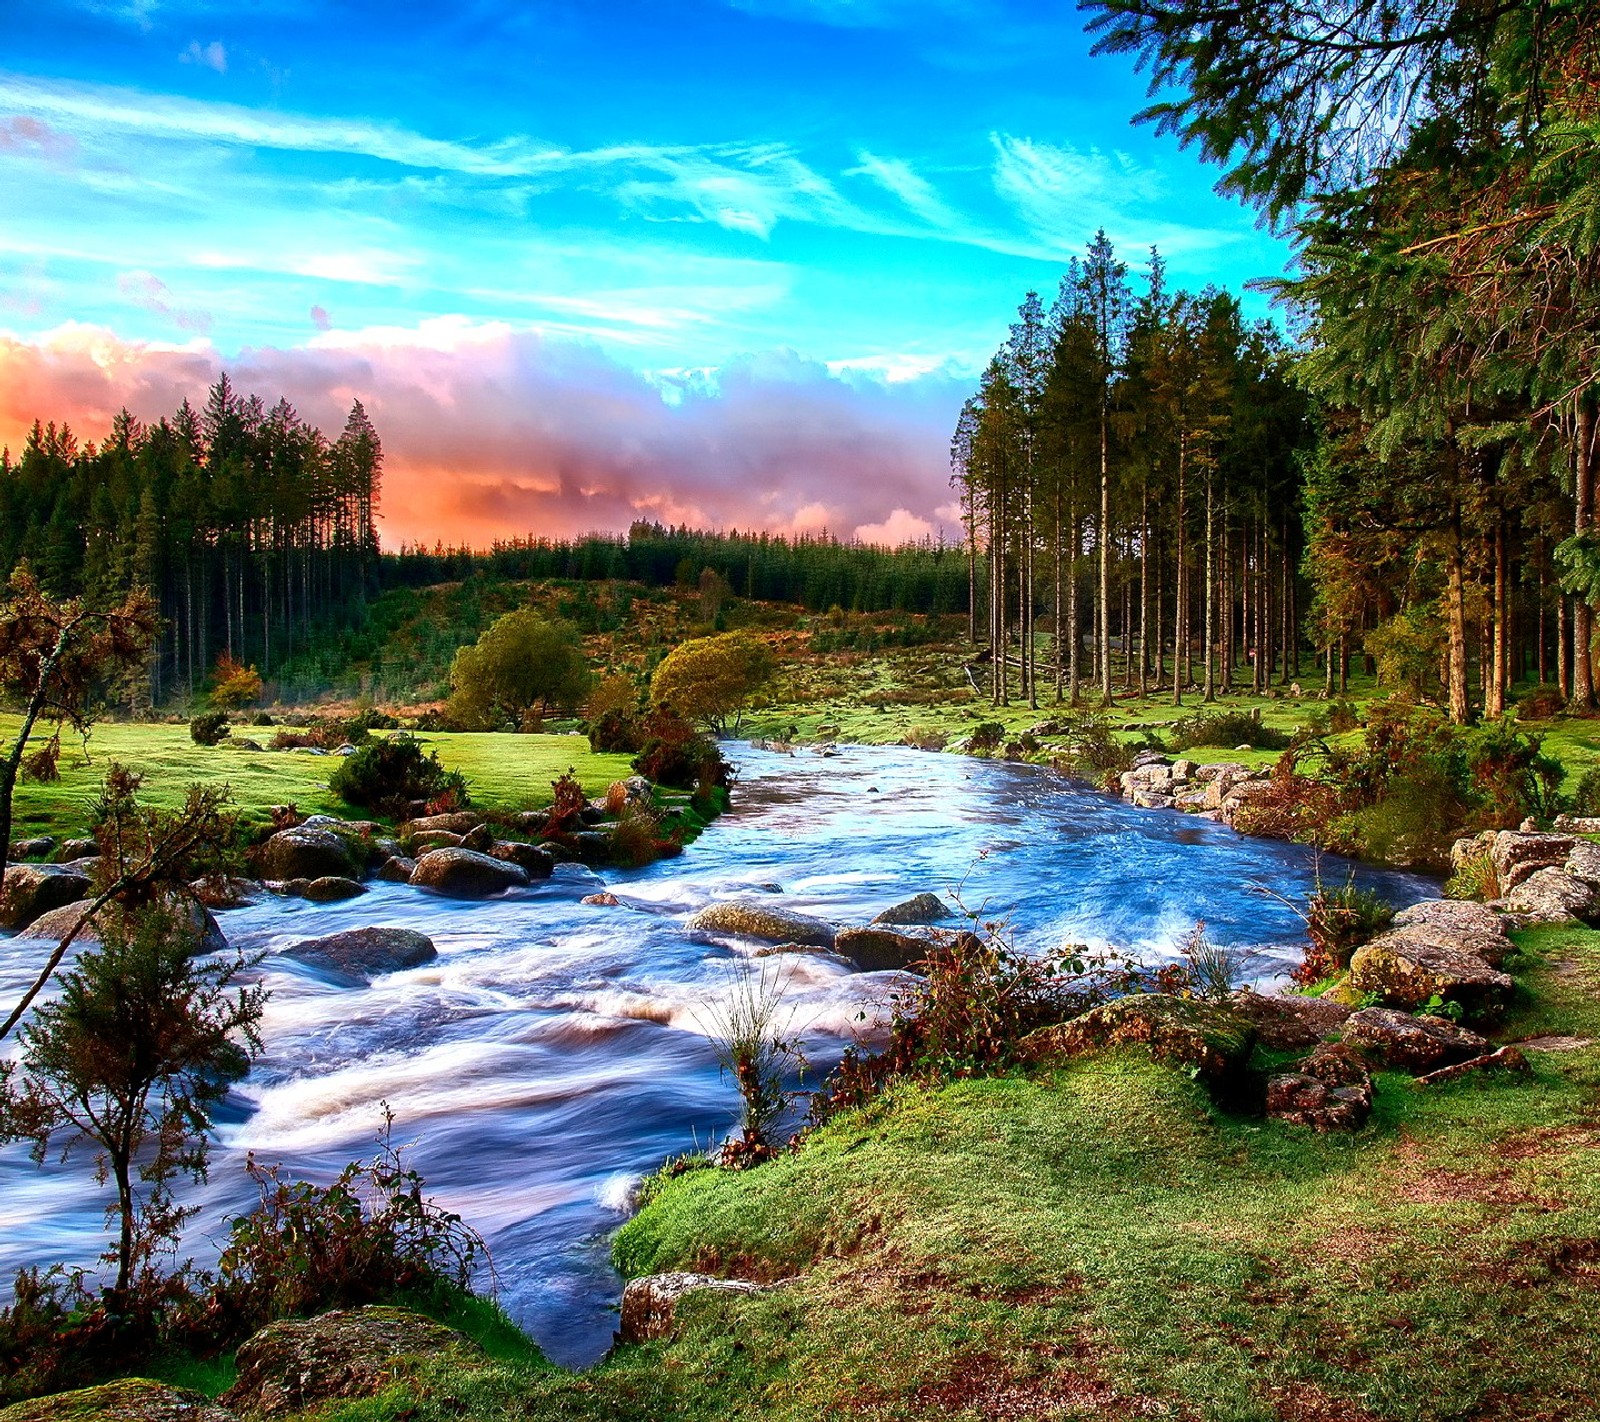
{"points": [[1105, 552], [1582, 698], [1144, 590], [1180, 629], [1211, 587], [1456, 616]]}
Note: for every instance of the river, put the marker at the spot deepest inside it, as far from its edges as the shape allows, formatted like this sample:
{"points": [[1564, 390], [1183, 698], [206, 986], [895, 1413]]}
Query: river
{"points": [[555, 1051]]}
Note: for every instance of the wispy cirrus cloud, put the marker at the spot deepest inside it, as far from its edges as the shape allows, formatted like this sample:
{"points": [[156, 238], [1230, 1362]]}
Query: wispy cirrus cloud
{"points": [[150, 293], [213, 56]]}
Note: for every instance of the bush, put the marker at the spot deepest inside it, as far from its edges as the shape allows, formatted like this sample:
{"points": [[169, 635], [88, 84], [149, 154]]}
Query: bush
{"points": [[233, 684], [210, 728], [675, 754], [369, 1236], [388, 775], [986, 738], [1343, 716], [1095, 752], [1540, 704], [1226, 729], [1475, 878], [1291, 806], [928, 738], [1512, 776], [1586, 798], [1339, 921]]}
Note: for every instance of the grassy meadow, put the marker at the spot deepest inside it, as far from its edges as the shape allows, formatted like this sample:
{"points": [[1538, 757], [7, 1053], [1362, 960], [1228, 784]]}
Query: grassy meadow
{"points": [[503, 772]]}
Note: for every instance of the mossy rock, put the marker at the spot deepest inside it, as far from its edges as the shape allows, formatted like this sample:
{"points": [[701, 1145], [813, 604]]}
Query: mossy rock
{"points": [[760, 921], [876, 950], [126, 1400], [1408, 969], [1206, 1037], [297, 1364]]}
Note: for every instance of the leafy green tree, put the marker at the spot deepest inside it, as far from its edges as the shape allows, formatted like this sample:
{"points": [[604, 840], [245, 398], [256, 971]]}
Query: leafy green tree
{"points": [[712, 679], [142, 1044], [518, 670]]}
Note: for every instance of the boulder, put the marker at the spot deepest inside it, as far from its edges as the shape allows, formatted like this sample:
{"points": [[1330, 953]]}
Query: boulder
{"points": [[457, 823], [1288, 1024], [1406, 1043], [465, 874], [1460, 923], [40, 847], [536, 861], [363, 952], [77, 849], [771, 925], [52, 927], [397, 870], [434, 839], [1517, 856], [480, 838], [1553, 896], [601, 900], [1406, 969], [649, 1305], [1211, 1038], [307, 853], [126, 1400], [919, 908], [1331, 1090], [332, 889], [589, 846], [876, 950], [296, 1365], [1584, 862], [223, 891], [359, 828], [30, 890]]}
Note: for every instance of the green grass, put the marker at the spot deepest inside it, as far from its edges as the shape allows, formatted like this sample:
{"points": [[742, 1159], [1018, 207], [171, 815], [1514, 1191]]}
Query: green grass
{"points": [[1100, 1241], [503, 772]]}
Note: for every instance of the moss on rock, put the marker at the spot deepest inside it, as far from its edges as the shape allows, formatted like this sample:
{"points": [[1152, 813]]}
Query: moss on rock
{"points": [[1212, 1039]]}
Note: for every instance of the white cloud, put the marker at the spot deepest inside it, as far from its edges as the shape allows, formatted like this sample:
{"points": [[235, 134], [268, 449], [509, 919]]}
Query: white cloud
{"points": [[901, 527], [208, 56]]}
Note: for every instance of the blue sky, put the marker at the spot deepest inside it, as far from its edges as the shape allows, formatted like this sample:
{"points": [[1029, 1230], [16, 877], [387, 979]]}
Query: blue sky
{"points": [[834, 205]]}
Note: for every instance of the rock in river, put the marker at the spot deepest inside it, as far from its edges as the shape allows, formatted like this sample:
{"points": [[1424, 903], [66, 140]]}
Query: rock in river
{"points": [[307, 853], [466, 874], [297, 1364], [30, 890], [876, 950], [52, 927], [362, 952], [919, 908], [772, 925]]}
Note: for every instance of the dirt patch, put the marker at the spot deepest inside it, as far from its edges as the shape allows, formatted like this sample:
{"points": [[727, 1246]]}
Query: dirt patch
{"points": [[1547, 1141], [1451, 1187], [1306, 1402], [989, 1386], [1553, 1044]]}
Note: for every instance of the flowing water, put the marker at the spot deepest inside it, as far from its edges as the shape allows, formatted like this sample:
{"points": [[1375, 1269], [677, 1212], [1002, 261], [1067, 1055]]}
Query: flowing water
{"points": [[555, 1051]]}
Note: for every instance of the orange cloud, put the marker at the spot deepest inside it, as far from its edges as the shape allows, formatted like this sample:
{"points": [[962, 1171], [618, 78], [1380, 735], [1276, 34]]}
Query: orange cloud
{"points": [[491, 432]]}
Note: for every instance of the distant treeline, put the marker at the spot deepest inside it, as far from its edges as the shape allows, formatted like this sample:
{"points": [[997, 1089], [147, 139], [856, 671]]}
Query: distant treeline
{"points": [[815, 572], [254, 530]]}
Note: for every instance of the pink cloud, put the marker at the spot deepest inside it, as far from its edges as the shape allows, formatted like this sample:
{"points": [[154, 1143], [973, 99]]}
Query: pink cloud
{"points": [[901, 527], [22, 134], [490, 433], [320, 319], [151, 293]]}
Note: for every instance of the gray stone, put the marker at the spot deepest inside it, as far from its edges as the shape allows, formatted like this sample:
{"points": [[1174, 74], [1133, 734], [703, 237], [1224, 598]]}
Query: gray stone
{"points": [[307, 853], [876, 950], [1517, 856], [532, 858], [919, 908], [52, 927], [649, 1305], [30, 890], [1553, 896], [1406, 969], [126, 1400], [296, 1365], [1331, 1090], [762, 921], [397, 869], [466, 874], [364, 952], [331, 889], [1415, 1044]]}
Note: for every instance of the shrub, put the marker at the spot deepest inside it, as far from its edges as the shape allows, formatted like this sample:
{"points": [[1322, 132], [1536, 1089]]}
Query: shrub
{"points": [[675, 754], [928, 738], [1475, 878], [1290, 806], [43, 765], [233, 684], [1540, 704], [1095, 752], [986, 738], [1343, 716], [1586, 798], [370, 1235], [210, 728], [1512, 776], [388, 775], [1210, 971], [1226, 729], [567, 805], [1339, 921]]}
